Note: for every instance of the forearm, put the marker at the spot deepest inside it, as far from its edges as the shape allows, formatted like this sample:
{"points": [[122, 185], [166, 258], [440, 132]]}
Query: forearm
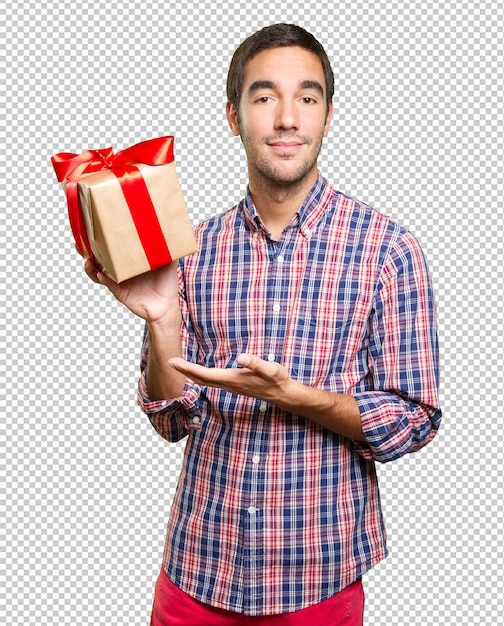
{"points": [[336, 412], [163, 382]]}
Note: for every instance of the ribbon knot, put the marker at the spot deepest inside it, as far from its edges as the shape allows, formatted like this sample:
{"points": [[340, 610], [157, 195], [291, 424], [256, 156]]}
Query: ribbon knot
{"points": [[107, 157]]}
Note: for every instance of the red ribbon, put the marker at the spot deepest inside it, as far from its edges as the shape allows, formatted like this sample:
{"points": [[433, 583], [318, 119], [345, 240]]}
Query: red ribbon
{"points": [[71, 167]]}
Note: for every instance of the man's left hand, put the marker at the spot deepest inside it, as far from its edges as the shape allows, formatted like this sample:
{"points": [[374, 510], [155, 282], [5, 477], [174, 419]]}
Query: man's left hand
{"points": [[256, 378]]}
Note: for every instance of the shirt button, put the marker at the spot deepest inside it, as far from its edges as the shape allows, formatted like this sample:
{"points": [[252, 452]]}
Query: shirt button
{"points": [[280, 258], [271, 357], [276, 307], [251, 510], [195, 420], [262, 407], [256, 458]]}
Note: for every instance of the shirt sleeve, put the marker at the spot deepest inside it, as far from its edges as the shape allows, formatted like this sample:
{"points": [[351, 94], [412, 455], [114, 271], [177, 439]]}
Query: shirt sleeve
{"points": [[172, 418], [401, 413]]}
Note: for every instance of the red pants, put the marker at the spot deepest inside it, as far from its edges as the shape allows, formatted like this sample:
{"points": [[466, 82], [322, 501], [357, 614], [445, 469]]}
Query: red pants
{"points": [[173, 607]]}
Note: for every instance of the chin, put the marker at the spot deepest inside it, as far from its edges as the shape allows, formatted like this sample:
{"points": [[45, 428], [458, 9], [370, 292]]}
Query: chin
{"points": [[284, 174], [289, 178]]}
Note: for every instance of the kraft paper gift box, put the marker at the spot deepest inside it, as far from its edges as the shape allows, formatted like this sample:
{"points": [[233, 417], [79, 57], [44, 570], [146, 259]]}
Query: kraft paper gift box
{"points": [[127, 210]]}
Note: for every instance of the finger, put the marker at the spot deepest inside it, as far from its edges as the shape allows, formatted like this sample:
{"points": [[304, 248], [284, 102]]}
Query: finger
{"points": [[103, 279], [252, 362], [265, 370], [244, 360], [91, 270], [211, 376], [115, 288], [177, 363], [192, 370], [218, 375]]}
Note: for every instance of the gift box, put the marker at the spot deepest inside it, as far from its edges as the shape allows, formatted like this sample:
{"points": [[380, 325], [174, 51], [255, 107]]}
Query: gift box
{"points": [[126, 210]]}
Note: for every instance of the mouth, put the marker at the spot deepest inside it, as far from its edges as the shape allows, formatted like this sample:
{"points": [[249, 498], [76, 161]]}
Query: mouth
{"points": [[285, 147]]}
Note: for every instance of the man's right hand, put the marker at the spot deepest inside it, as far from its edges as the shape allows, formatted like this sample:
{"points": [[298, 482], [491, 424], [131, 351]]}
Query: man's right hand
{"points": [[152, 296]]}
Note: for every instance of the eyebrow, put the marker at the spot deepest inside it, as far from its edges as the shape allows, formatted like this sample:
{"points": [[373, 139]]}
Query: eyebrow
{"points": [[312, 84], [268, 84]]}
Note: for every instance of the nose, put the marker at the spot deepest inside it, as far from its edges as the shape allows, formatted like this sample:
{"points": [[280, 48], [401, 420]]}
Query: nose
{"points": [[287, 115]]}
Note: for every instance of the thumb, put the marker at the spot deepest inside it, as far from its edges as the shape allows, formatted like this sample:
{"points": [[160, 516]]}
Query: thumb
{"points": [[268, 371], [103, 279], [245, 360]]}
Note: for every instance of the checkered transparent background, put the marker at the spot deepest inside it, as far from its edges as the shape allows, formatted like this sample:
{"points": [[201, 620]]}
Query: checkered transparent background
{"points": [[86, 484]]}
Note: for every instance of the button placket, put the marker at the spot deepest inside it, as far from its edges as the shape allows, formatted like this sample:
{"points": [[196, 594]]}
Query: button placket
{"points": [[277, 298], [275, 311]]}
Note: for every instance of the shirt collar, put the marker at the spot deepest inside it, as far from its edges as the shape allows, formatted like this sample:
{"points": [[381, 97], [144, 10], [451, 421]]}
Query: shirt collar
{"points": [[306, 217]]}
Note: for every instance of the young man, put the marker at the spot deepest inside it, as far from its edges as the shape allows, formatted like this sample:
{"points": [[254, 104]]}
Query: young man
{"points": [[297, 347]]}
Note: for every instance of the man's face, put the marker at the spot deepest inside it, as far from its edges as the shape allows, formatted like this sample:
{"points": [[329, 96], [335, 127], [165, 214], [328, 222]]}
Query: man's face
{"points": [[283, 115]]}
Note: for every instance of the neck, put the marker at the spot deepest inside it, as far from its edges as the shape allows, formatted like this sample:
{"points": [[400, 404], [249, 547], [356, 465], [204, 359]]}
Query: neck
{"points": [[277, 203]]}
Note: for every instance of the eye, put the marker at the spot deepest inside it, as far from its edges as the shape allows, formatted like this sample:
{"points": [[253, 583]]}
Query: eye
{"points": [[308, 100]]}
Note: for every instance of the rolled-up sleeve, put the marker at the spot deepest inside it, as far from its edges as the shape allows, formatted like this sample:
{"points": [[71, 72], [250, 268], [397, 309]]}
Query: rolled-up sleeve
{"points": [[172, 418], [401, 413]]}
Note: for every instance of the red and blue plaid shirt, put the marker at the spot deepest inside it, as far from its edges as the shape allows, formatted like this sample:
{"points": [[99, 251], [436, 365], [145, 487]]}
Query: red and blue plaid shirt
{"points": [[274, 513]]}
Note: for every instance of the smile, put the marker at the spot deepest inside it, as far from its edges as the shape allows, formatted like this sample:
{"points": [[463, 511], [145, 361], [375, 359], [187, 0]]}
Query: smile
{"points": [[285, 146]]}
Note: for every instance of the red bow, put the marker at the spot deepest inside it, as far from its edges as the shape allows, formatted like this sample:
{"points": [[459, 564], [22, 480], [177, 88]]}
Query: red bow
{"points": [[71, 167]]}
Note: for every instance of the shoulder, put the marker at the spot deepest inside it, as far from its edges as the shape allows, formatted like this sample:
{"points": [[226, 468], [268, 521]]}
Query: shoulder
{"points": [[377, 221], [366, 217], [366, 226], [389, 244]]}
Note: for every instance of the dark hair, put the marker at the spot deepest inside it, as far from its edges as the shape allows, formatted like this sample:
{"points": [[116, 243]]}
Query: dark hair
{"points": [[275, 36]]}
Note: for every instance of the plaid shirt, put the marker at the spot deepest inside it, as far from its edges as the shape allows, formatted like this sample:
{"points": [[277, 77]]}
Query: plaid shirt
{"points": [[274, 513]]}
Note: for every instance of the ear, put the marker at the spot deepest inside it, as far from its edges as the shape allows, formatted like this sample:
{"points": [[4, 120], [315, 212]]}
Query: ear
{"points": [[328, 118], [232, 118]]}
